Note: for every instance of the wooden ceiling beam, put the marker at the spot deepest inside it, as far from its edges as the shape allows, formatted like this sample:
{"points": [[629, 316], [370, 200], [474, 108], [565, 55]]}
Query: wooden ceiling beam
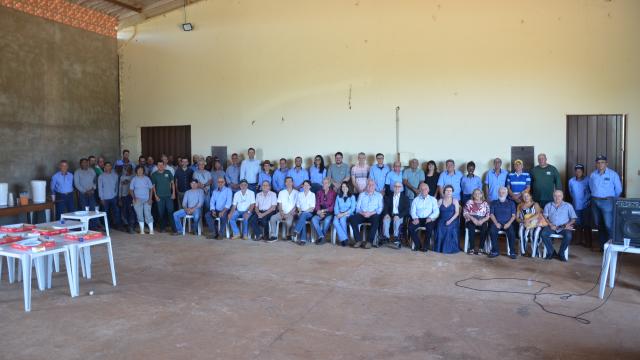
{"points": [[125, 5]]}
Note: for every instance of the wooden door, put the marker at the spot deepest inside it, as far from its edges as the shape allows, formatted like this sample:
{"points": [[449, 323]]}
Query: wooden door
{"points": [[591, 135], [169, 140]]}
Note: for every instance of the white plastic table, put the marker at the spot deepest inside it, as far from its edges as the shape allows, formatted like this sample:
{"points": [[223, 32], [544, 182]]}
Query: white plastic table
{"points": [[69, 225], [26, 257], [610, 261], [74, 251], [84, 217]]}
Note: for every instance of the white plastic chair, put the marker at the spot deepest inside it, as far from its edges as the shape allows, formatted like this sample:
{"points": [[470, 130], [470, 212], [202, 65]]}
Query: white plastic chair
{"points": [[187, 221], [500, 232], [334, 235], [421, 228], [487, 241], [544, 248], [375, 238]]}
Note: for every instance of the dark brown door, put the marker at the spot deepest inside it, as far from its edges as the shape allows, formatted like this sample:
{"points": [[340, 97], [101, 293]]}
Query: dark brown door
{"points": [[591, 135], [169, 140]]}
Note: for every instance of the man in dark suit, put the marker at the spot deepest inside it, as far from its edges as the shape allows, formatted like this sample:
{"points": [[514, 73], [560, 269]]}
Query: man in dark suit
{"points": [[396, 208]]}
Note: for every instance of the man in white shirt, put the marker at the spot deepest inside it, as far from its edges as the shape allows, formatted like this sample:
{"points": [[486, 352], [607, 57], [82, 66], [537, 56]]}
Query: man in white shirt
{"points": [[242, 206], [305, 204], [287, 199], [424, 212], [249, 170], [266, 205]]}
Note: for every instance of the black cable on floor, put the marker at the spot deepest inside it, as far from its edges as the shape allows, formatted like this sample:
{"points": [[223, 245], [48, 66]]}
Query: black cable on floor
{"points": [[564, 296]]}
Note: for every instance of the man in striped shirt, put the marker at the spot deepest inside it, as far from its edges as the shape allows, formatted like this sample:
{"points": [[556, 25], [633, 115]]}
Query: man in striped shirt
{"points": [[518, 181]]}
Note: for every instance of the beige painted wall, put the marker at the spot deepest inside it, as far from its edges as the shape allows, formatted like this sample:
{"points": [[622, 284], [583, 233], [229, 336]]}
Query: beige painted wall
{"points": [[472, 78]]}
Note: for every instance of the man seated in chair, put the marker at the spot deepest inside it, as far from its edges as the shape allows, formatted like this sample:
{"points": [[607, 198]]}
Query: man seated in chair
{"points": [[219, 207], [560, 216], [368, 209], [424, 212], [241, 207], [191, 205], [503, 215], [396, 208]]}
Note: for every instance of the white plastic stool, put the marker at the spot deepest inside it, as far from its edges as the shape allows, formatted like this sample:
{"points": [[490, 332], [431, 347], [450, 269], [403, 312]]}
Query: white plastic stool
{"points": [[188, 219]]}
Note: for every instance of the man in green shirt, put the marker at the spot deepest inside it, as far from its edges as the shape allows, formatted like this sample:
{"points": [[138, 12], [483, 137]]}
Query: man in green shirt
{"points": [[545, 179], [164, 192]]}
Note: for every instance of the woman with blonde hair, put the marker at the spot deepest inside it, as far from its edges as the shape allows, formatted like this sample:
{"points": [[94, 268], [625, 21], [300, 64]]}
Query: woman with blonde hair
{"points": [[476, 214], [530, 220]]}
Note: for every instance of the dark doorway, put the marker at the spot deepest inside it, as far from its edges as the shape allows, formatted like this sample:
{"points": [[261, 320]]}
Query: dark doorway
{"points": [[169, 140], [591, 135]]}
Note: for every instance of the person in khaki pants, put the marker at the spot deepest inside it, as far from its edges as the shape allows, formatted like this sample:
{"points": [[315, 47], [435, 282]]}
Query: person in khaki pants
{"points": [[286, 209]]}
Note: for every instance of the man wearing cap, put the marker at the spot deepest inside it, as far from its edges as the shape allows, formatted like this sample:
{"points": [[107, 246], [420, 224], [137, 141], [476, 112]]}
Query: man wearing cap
{"points": [[545, 179], [580, 196], [494, 180], [241, 207], [191, 205], [605, 186], [518, 181], [249, 170]]}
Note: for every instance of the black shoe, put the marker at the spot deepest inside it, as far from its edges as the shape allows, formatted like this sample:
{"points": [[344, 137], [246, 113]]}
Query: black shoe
{"points": [[492, 255], [301, 243], [211, 237], [562, 258], [343, 243], [548, 257], [513, 256], [320, 241], [176, 234], [129, 230]]}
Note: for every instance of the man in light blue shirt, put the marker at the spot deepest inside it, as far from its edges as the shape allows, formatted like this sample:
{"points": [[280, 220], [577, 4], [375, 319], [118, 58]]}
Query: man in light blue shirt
{"points": [[605, 186], [378, 173], [368, 209], [232, 175], [249, 170], [494, 180], [393, 177], [219, 206], [108, 187], [298, 174], [279, 175], [424, 212], [62, 189], [191, 205], [452, 177], [561, 217], [411, 179], [469, 183]]}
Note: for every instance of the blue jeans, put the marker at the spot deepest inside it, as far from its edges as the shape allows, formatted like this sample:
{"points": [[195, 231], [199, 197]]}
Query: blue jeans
{"points": [[567, 235], [342, 231], [321, 229], [111, 208], [234, 225], [602, 211], [301, 225], [64, 204], [211, 224], [128, 214], [90, 201], [178, 215]]}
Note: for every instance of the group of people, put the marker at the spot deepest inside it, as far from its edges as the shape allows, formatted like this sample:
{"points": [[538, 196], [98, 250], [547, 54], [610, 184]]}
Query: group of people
{"points": [[346, 197]]}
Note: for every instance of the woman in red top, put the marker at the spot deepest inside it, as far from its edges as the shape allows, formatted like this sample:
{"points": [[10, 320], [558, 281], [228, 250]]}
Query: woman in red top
{"points": [[476, 215]]}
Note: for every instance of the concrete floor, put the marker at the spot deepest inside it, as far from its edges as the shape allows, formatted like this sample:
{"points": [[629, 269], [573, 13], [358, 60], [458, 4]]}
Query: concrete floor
{"points": [[192, 298]]}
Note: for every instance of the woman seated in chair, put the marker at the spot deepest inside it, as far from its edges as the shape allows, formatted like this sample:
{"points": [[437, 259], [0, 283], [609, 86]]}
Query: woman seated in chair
{"points": [[448, 223], [476, 215], [344, 207], [530, 220]]}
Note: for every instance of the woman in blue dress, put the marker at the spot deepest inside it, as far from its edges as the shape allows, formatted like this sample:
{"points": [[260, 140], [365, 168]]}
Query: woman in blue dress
{"points": [[448, 223]]}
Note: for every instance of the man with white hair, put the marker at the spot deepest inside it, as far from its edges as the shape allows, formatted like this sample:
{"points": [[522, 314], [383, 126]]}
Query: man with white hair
{"points": [[368, 209], [411, 179], [560, 216], [503, 214], [396, 208], [424, 212]]}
